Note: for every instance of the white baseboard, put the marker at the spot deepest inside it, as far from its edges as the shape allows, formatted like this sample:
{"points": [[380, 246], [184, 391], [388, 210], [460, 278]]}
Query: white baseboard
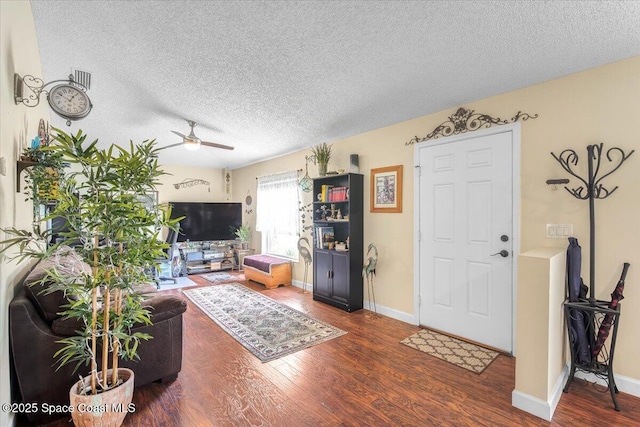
{"points": [[385, 311], [532, 405], [625, 384], [298, 284], [539, 407], [391, 312], [556, 393]]}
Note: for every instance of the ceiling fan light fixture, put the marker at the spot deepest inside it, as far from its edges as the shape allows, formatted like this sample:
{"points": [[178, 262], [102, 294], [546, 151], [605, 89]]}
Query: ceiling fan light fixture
{"points": [[191, 143]]}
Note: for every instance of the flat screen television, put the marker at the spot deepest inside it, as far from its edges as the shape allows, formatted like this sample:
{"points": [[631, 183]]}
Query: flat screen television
{"points": [[207, 221]]}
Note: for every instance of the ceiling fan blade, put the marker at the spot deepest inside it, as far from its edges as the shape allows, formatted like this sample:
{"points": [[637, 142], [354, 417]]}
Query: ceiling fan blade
{"points": [[172, 145], [213, 144], [178, 133]]}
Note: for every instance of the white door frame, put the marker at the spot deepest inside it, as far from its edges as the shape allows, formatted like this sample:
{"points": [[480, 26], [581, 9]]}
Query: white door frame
{"points": [[514, 128]]}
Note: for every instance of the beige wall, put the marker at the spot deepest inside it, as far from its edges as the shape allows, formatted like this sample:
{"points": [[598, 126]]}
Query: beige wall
{"points": [[597, 105], [215, 192], [18, 125]]}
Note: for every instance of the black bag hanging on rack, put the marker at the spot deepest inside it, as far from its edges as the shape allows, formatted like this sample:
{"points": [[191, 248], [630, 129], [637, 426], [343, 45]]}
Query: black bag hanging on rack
{"points": [[574, 264], [577, 320]]}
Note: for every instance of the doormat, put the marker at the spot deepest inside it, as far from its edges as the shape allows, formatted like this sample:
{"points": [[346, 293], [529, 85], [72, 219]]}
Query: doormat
{"points": [[263, 326], [218, 277], [466, 355]]}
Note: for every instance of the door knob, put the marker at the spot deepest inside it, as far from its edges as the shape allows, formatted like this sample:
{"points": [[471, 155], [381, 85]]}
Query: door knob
{"points": [[503, 253]]}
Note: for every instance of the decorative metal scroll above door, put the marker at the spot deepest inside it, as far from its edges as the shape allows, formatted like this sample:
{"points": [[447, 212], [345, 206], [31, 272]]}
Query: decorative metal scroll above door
{"points": [[465, 120]]}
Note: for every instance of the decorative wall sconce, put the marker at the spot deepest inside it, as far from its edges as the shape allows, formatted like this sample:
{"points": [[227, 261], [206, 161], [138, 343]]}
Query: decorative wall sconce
{"points": [[68, 98], [190, 182]]}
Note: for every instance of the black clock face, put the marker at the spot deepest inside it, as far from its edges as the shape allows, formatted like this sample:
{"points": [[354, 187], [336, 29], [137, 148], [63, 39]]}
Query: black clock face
{"points": [[69, 102]]}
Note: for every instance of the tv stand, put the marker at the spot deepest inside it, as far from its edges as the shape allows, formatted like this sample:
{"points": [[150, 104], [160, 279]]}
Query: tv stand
{"points": [[204, 257]]}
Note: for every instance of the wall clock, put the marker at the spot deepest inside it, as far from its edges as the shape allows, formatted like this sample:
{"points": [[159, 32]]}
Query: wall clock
{"points": [[68, 98], [69, 102]]}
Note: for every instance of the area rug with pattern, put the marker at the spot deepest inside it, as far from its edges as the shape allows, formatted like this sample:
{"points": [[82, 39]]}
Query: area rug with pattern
{"points": [[466, 355], [218, 277], [262, 325]]}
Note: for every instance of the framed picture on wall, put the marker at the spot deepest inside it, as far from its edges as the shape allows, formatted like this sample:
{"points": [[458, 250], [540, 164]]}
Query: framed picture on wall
{"points": [[386, 189]]}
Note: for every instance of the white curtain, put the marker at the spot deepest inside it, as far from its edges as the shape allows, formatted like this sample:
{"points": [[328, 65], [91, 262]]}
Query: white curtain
{"points": [[277, 204]]}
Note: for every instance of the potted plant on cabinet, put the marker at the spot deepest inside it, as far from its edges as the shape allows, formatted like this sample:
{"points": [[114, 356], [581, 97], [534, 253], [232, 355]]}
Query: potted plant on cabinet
{"points": [[244, 235], [322, 155], [102, 200]]}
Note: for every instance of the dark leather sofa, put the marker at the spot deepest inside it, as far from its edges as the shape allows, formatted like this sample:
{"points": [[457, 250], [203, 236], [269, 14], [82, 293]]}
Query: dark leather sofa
{"points": [[35, 326]]}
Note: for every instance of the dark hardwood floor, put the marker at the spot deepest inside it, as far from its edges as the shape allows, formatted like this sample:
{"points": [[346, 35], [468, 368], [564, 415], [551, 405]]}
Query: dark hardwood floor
{"points": [[363, 378]]}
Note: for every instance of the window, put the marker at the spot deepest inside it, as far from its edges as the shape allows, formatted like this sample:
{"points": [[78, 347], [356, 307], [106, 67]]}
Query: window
{"points": [[277, 214]]}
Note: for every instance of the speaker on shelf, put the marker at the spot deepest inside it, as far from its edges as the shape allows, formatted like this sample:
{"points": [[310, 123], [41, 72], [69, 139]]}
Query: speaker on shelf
{"points": [[354, 163]]}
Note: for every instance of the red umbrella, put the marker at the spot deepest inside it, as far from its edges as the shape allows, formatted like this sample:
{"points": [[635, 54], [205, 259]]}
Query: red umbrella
{"points": [[605, 326]]}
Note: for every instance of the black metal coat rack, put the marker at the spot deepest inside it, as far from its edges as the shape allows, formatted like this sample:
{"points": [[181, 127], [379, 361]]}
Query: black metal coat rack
{"points": [[595, 312], [592, 189]]}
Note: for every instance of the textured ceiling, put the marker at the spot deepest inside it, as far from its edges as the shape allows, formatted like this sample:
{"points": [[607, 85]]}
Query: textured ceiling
{"points": [[275, 77]]}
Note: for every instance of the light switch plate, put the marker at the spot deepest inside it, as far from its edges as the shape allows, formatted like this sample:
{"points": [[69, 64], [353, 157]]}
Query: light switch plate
{"points": [[3, 166], [559, 231]]}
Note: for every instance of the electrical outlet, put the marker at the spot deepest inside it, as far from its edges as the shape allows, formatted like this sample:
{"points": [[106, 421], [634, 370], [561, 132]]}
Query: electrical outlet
{"points": [[559, 231]]}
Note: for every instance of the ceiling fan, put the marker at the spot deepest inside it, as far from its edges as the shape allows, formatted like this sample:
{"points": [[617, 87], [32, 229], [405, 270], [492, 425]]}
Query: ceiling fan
{"points": [[192, 142]]}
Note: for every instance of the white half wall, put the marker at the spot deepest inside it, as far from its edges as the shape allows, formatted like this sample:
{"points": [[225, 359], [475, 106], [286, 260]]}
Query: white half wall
{"points": [[540, 358]]}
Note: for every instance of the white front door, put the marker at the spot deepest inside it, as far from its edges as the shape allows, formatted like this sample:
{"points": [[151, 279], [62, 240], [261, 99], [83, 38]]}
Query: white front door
{"points": [[465, 220]]}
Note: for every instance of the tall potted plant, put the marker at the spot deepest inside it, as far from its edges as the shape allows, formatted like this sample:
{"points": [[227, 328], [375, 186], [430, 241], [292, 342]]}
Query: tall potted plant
{"points": [[102, 200], [322, 155]]}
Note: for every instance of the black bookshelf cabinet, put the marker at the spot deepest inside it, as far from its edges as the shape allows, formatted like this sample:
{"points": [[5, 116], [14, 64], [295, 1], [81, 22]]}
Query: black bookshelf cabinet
{"points": [[338, 215]]}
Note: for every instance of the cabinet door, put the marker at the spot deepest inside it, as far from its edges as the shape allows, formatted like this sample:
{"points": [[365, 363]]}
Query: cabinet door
{"points": [[340, 277], [322, 271]]}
